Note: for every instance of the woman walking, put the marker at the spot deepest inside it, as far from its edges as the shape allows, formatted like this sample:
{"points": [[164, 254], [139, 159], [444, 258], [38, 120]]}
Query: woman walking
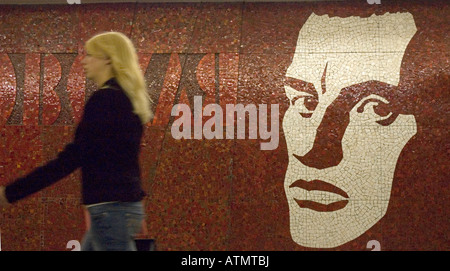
{"points": [[105, 146]]}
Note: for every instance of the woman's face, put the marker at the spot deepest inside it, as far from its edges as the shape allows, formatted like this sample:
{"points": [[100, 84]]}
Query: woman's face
{"points": [[94, 66], [343, 136]]}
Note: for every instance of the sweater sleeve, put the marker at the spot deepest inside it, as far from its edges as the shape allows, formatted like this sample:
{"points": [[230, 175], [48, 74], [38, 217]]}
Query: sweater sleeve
{"points": [[65, 163], [96, 124]]}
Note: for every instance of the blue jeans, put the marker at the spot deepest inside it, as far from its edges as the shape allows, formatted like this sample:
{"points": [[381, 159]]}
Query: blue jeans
{"points": [[113, 226]]}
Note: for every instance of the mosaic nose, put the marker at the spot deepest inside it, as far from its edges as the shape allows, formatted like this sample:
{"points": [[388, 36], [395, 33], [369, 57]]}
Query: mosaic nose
{"points": [[327, 147]]}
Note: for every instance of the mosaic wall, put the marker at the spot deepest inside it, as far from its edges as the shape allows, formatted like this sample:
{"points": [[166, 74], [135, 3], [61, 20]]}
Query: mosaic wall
{"points": [[277, 126]]}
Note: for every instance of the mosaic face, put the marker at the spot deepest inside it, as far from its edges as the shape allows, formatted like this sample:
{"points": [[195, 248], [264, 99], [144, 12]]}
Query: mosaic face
{"points": [[343, 136]]}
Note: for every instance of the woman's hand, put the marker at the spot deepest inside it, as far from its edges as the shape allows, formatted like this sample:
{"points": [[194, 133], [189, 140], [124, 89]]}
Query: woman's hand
{"points": [[3, 200]]}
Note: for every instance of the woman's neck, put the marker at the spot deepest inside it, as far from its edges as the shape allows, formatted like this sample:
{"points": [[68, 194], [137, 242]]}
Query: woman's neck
{"points": [[101, 80]]}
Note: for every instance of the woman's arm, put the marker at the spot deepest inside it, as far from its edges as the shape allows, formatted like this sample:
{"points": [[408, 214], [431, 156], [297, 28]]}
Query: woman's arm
{"points": [[67, 161], [97, 124]]}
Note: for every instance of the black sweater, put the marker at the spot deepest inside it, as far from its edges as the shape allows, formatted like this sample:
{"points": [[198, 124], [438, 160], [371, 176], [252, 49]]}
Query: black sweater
{"points": [[106, 147]]}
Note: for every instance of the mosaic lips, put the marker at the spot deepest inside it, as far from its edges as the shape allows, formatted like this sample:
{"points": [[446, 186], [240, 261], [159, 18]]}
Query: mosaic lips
{"points": [[319, 185]]}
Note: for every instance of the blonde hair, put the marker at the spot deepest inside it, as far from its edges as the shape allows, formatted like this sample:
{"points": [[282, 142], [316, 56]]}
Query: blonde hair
{"points": [[119, 49]]}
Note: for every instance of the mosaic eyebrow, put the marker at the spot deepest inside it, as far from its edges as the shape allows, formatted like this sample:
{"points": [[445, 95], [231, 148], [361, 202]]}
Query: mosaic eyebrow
{"points": [[300, 85], [307, 87], [322, 80]]}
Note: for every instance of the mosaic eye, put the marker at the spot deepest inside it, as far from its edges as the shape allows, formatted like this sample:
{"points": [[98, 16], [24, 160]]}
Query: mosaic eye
{"points": [[303, 96], [378, 109], [311, 103], [305, 105]]}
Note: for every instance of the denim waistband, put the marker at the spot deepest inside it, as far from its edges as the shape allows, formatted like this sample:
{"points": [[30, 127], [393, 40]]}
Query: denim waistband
{"points": [[115, 205]]}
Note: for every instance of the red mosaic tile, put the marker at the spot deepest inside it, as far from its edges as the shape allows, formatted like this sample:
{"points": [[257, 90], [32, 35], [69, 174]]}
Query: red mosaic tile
{"points": [[16, 115], [164, 28], [8, 88], [76, 84], [21, 226], [62, 221], [272, 28], [228, 78], [44, 29], [97, 18], [257, 197], [164, 85], [217, 28], [3, 152], [188, 201], [151, 146], [51, 105], [23, 152], [261, 79], [31, 90]]}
